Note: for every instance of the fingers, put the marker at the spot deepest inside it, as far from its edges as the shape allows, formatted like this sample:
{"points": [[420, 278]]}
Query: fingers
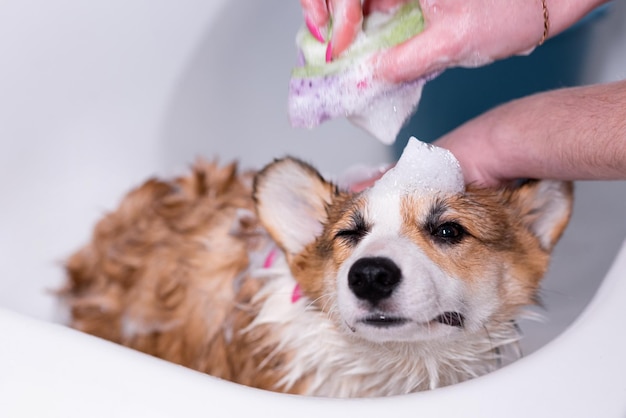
{"points": [[347, 19], [469, 144], [370, 6], [402, 63], [423, 55], [315, 13]]}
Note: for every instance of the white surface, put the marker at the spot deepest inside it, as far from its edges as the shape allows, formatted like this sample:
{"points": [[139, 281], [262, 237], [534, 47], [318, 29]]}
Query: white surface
{"points": [[68, 374], [96, 96]]}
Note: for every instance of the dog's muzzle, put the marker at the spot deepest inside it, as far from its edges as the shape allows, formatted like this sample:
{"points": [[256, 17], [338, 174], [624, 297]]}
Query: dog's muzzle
{"points": [[374, 278]]}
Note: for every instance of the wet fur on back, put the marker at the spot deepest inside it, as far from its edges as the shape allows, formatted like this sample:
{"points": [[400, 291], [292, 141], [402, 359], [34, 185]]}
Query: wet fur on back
{"points": [[180, 271]]}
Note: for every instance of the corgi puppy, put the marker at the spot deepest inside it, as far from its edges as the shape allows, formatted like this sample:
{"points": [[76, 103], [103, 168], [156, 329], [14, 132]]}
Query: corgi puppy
{"points": [[281, 280]]}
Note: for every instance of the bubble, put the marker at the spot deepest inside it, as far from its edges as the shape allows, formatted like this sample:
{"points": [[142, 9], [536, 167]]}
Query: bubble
{"points": [[425, 169]]}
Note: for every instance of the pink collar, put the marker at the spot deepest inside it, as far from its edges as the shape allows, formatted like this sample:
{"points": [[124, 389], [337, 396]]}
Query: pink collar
{"points": [[269, 262], [296, 294]]}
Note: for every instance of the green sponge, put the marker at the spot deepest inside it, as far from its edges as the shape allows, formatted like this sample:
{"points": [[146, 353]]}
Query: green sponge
{"points": [[346, 87]]}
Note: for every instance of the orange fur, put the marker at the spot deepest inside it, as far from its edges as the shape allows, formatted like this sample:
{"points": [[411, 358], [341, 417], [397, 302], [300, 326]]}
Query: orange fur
{"points": [[164, 263]]}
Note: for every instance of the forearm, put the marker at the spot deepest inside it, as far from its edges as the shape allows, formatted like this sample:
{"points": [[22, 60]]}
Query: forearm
{"points": [[577, 133]]}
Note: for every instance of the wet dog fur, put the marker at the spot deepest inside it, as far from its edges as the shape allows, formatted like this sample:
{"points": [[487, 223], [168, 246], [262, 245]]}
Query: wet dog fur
{"points": [[280, 280]]}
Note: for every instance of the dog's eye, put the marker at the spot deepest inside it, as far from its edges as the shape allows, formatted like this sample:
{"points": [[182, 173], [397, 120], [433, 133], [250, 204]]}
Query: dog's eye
{"points": [[357, 229], [449, 232], [351, 236]]}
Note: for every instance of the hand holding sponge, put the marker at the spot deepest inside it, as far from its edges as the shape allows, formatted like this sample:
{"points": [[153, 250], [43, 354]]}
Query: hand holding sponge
{"points": [[348, 86]]}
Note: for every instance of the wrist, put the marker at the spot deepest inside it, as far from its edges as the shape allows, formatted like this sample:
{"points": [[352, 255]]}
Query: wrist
{"points": [[561, 14]]}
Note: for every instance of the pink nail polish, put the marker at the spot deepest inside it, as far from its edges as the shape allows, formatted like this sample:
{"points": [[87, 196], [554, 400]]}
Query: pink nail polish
{"points": [[329, 52], [315, 31]]}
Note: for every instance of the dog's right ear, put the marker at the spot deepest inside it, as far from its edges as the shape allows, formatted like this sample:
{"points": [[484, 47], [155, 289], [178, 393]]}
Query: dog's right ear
{"points": [[291, 198], [544, 207]]}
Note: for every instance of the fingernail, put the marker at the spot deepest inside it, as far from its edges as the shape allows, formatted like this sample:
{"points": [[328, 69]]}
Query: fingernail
{"points": [[315, 31], [329, 52]]}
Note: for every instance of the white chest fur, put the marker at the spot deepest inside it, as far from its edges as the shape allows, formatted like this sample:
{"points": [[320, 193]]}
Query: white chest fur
{"points": [[338, 364]]}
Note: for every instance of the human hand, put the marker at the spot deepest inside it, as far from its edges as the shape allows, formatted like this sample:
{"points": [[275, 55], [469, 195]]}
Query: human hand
{"points": [[458, 33], [575, 133], [347, 17]]}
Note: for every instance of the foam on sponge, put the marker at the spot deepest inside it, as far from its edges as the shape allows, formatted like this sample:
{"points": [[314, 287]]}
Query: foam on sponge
{"points": [[346, 87]]}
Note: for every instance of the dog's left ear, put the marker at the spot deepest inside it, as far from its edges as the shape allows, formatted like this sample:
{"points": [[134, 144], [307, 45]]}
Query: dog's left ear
{"points": [[545, 207], [291, 198]]}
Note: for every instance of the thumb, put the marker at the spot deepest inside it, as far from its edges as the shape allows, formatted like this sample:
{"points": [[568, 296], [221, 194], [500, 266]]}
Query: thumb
{"points": [[423, 55], [347, 20]]}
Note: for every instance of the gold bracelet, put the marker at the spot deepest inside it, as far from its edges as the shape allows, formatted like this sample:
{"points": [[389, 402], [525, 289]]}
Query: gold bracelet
{"points": [[546, 22]]}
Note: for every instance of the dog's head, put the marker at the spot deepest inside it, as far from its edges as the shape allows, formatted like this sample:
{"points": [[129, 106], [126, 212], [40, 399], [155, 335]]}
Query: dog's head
{"points": [[411, 266]]}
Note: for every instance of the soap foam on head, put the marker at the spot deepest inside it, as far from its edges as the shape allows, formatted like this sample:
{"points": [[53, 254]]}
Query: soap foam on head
{"points": [[425, 169]]}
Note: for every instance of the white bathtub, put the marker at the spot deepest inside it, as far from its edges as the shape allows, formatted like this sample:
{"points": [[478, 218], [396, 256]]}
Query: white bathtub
{"points": [[96, 96]]}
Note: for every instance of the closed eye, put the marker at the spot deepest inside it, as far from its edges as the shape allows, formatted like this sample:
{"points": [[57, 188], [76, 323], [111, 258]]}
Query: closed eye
{"points": [[448, 232], [355, 232]]}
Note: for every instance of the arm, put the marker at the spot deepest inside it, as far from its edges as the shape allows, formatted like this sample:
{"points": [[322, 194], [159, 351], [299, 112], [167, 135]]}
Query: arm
{"points": [[570, 134]]}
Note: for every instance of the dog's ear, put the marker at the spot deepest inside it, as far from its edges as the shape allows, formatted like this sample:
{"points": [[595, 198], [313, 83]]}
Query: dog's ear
{"points": [[291, 198], [544, 207]]}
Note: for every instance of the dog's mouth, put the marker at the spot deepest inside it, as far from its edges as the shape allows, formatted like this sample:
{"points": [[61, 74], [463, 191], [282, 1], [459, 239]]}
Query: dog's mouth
{"points": [[383, 321], [379, 320]]}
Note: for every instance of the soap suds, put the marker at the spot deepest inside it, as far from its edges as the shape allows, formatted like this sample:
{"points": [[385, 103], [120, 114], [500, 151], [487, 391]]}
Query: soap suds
{"points": [[423, 168], [348, 86]]}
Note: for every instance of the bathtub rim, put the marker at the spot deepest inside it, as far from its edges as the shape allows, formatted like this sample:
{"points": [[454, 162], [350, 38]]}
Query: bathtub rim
{"points": [[554, 379]]}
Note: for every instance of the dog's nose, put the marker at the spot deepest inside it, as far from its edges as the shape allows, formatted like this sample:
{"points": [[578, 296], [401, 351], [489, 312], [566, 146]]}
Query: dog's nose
{"points": [[373, 278]]}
